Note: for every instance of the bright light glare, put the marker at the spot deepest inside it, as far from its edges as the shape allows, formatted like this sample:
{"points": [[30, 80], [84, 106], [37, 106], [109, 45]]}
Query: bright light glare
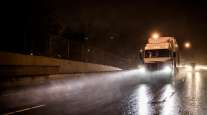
{"points": [[167, 69], [140, 66], [143, 69], [155, 35]]}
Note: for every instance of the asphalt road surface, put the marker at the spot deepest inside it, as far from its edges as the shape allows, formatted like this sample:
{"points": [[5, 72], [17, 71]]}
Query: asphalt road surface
{"points": [[115, 93]]}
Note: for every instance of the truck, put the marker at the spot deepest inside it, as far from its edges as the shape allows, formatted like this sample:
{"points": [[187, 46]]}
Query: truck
{"points": [[161, 54]]}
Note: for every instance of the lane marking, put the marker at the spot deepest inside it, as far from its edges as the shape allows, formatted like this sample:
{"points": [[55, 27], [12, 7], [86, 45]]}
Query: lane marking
{"points": [[22, 110]]}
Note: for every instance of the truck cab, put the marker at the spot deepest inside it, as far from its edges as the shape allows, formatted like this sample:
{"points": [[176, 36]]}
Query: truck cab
{"points": [[161, 54]]}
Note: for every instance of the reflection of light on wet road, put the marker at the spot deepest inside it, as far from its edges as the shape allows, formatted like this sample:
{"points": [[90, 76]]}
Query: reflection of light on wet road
{"points": [[143, 100], [201, 67], [198, 84], [193, 91], [139, 101], [191, 68], [193, 83], [170, 105], [189, 83], [142, 93], [197, 92]]}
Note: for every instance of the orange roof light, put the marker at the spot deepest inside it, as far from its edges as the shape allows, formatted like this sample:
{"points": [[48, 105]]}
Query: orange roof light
{"points": [[155, 35]]}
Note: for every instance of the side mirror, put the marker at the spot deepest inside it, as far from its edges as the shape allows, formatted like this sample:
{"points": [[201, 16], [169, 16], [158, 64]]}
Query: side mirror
{"points": [[141, 55]]}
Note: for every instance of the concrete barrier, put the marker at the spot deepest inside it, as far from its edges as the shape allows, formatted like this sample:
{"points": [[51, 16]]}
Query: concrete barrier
{"points": [[19, 64]]}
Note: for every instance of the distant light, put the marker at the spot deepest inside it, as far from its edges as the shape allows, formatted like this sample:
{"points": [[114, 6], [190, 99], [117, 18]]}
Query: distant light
{"points": [[187, 45], [111, 37], [140, 50], [155, 35], [176, 45]]}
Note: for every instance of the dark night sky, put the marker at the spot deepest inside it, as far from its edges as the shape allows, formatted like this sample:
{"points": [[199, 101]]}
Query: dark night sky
{"points": [[131, 22]]}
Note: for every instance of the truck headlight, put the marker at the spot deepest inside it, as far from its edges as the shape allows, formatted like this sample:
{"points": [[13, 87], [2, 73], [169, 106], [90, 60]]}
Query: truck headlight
{"points": [[143, 69], [167, 69]]}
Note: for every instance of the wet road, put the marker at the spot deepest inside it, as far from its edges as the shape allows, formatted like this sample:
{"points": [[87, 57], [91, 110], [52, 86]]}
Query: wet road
{"points": [[116, 93]]}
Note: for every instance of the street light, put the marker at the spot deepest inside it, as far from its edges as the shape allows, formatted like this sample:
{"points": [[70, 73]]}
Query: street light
{"points": [[187, 45]]}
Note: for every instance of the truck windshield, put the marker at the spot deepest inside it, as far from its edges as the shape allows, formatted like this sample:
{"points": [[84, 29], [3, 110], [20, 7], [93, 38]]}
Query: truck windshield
{"points": [[157, 53]]}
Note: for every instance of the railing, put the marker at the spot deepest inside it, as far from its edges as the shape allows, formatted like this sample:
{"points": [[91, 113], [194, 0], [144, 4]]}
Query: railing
{"points": [[69, 49]]}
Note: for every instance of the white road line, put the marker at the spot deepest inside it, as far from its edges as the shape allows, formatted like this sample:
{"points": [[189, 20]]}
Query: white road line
{"points": [[26, 109]]}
